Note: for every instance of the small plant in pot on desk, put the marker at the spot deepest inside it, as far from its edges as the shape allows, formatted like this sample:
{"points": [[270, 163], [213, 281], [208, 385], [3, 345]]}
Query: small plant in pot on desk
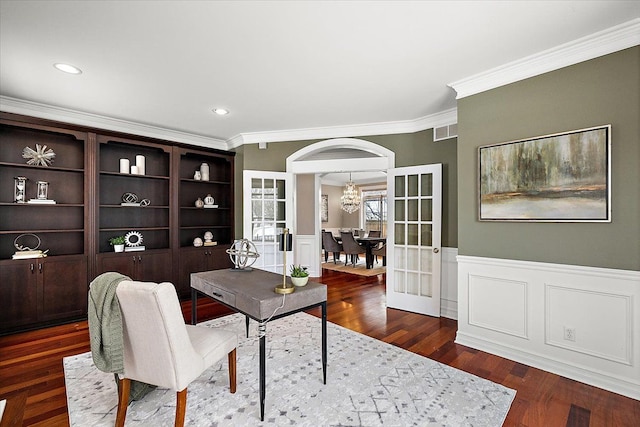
{"points": [[299, 275], [117, 243]]}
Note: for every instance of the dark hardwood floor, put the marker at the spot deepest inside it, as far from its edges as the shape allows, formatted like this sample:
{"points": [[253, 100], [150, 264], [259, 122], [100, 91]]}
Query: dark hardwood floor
{"points": [[31, 372]]}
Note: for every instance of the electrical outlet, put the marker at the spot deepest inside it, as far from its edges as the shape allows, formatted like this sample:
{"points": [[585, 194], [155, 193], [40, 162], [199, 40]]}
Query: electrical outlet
{"points": [[569, 334]]}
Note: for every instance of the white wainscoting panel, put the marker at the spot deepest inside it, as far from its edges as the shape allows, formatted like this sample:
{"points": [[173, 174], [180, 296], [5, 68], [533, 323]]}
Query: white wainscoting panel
{"points": [[498, 304], [579, 322], [307, 253], [579, 310], [449, 284]]}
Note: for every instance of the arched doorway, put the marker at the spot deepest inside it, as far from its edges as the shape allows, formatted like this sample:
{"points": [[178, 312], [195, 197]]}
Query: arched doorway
{"points": [[330, 156]]}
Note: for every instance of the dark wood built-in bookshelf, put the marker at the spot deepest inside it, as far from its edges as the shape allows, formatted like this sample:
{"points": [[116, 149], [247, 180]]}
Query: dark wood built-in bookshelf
{"points": [[87, 185]]}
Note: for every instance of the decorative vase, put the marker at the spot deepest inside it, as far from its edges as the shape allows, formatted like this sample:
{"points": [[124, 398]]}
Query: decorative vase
{"points": [[208, 200], [118, 248], [299, 281], [204, 171], [199, 203]]}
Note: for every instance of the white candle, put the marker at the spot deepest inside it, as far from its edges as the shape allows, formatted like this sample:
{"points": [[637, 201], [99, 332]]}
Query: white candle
{"points": [[134, 170], [124, 165], [140, 164]]}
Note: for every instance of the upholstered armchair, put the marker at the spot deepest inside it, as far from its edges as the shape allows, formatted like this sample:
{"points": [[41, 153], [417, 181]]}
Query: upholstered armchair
{"points": [[351, 247], [160, 349], [331, 245]]}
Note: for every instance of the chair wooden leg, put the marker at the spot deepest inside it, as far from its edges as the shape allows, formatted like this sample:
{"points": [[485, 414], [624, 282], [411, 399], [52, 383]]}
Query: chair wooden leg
{"points": [[232, 370], [181, 408], [124, 385]]}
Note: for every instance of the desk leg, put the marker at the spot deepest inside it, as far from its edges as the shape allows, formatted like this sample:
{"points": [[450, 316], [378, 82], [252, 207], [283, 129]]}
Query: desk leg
{"points": [[262, 332], [194, 306], [324, 342]]}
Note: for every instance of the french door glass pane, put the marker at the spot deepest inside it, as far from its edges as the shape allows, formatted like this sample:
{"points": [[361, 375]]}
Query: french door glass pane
{"points": [[413, 283], [413, 259], [426, 285], [426, 210], [426, 236], [412, 184], [399, 211], [280, 189], [400, 257], [426, 184], [399, 190], [412, 210], [399, 282], [426, 258], [399, 234], [268, 189], [412, 234]]}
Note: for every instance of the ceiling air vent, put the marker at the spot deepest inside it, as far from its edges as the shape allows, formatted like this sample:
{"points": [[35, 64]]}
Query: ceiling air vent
{"points": [[445, 132]]}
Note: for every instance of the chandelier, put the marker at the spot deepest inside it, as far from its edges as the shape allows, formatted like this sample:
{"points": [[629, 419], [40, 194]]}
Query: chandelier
{"points": [[350, 200]]}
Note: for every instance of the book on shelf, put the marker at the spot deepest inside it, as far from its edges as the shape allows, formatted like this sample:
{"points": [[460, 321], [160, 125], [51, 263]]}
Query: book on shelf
{"points": [[134, 248], [210, 243], [130, 204], [210, 206], [42, 202]]}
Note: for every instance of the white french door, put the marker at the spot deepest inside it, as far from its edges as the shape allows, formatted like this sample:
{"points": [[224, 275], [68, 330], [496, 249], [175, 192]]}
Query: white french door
{"points": [[266, 214], [413, 238]]}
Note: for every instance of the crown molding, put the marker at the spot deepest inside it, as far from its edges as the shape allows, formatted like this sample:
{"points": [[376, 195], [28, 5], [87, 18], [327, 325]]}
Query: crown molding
{"points": [[383, 128], [604, 42], [44, 111]]}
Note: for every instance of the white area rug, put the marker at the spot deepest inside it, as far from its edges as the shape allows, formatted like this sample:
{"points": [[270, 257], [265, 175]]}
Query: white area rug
{"points": [[369, 383]]}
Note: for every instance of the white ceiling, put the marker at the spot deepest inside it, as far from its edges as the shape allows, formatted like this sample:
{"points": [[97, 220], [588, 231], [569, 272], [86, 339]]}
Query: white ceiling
{"points": [[283, 68]]}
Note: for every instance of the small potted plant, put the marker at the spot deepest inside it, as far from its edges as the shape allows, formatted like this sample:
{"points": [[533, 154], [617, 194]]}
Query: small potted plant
{"points": [[118, 243], [299, 275]]}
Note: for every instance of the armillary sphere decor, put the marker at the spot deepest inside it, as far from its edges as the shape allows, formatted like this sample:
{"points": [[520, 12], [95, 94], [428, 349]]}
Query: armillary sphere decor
{"points": [[350, 200], [243, 253]]}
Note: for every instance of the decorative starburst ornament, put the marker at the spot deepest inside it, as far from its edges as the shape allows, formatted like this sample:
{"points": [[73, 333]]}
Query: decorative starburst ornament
{"points": [[41, 156]]}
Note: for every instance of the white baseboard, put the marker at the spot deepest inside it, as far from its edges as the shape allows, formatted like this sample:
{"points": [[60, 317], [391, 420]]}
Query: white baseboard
{"points": [[574, 321]]}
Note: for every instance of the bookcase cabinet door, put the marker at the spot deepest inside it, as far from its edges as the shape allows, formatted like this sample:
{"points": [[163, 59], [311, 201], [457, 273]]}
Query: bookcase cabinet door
{"points": [[65, 287], [18, 293], [36, 292], [194, 260], [145, 266]]}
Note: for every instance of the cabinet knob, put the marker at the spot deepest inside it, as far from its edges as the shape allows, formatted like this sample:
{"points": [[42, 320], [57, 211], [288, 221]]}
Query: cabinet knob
{"points": [[40, 267], [139, 258], [32, 267]]}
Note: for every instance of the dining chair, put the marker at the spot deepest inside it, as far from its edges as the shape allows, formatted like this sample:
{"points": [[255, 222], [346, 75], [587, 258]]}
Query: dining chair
{"points": [[381, 251], [374, 233], [160, 349], [351, 247], [331, 245]]}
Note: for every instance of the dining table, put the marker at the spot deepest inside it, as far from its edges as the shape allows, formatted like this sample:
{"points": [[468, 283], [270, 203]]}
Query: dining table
{"points": [[369, 244]]}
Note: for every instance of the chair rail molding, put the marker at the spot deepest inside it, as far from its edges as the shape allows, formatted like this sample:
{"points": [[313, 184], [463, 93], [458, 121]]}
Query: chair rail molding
{"points": [[575, 321]]}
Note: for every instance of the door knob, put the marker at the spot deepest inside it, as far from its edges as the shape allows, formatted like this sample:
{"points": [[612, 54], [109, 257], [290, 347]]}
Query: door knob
{"points": [[436, 250]]}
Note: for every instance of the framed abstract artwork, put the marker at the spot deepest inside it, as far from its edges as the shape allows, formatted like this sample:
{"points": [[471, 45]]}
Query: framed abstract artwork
{"points": [[324, 208], [564, 177]]}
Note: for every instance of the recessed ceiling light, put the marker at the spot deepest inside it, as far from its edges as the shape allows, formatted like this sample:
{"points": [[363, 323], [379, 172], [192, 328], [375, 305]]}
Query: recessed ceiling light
{"points": [[221, 111], [67, 68]]}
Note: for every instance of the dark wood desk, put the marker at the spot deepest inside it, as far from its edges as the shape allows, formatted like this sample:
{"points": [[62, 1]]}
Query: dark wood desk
{"points": [[370, 243], [252, 294]]}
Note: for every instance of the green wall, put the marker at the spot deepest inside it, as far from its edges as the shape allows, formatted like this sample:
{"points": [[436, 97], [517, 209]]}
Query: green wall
{"points": [[601, 91], [410, 150]]}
